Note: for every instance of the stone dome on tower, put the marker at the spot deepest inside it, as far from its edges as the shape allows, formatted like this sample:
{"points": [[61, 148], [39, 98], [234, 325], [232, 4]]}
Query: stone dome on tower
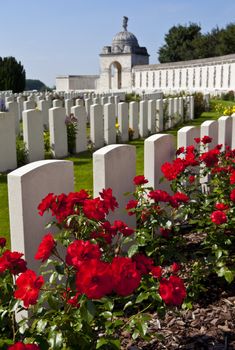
{"points": [[125, 42]]}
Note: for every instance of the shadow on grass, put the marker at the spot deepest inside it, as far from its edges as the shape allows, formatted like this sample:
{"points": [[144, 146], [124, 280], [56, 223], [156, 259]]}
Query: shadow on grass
{"points": [[3, 178]]}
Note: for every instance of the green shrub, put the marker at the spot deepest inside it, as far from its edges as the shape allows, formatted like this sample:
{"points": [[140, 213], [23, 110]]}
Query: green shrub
{"points": [[199, 104], [21, 151], [229, 96], [71, 123]]}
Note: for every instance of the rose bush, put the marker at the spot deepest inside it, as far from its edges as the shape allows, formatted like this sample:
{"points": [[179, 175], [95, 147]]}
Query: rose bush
{"points": [[201, 200], [90, 288]]}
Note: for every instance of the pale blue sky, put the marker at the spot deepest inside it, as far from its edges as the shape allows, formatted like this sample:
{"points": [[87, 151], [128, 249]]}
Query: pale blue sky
{"points": [[57, 37]]}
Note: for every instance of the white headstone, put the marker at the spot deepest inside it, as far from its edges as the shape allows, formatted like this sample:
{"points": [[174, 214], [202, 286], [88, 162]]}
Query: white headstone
{"points": [[58, 132], [81, 138], [33, 134], [7, 142], [114, 166], [123, 121], [97, 126]]}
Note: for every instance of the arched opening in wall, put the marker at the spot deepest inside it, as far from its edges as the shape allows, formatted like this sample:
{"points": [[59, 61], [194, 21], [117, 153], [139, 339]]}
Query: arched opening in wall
{"points": [[115, 76]]}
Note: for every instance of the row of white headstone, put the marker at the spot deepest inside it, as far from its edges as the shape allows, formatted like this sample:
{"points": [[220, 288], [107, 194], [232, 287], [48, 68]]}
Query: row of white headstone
{"points": [[114, 166], [144, 118]]}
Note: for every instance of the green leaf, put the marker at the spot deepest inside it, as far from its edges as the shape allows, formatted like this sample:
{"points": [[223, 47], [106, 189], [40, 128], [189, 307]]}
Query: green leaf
{"points": [[142, 296], [41, 325], [113, 344], [88, 311], [129, 303], [106, 314], [229, 276], [132, 250]]}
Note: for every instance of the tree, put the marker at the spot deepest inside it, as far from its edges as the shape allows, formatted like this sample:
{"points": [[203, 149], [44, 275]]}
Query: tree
{"points": [[186, 42], [180, 43], [35, 84], [12, 75]]}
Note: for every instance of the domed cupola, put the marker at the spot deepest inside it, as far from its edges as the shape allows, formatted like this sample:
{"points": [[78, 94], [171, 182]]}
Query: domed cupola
{"points": [[124, 41]]}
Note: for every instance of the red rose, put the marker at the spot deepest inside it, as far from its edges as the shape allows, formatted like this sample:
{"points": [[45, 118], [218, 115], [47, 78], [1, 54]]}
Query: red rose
{"points": [[143, 263], [175, 267], [2, 242], [165, 232], [45, 247], [109, 201], [46, 203], [197, 139], [180, 150], [171, 171], [221, 206], [126, 277], [172, 291], [140, 180], [94, 279], [232, 195], [156, 271], [123, 228], [21, 346], [178, 197], [132, 204], [232, 178], [210, 158], [13, 262], [28, 287], [81, 251], [206, 139], [159, 196], [218, 217], [191, 178], [94, 209]]}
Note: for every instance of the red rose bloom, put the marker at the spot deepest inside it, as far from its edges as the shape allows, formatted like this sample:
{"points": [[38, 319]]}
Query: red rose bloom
{"points": [[132, 204], [221, 206], [2, 242], [126, 277], [140, 180], [94, 209], [178, 197], [175, 267], [94, 279], [13, 262], [165, 232], [232, 178], [21, 346], [45, 247], [210, 158], [206, 139], [232, 195], [197, 139], [159, 196], [28, 287], [191, 178], [109, 201], [171, 171], [179, 151], [123, 228], [46, 203], [143, 263], [218, 217], [79, 252], [172, 291], [156, 271]]}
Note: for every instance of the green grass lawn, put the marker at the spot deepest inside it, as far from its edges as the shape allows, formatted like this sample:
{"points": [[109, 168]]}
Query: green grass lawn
{"points": [[83, 167]]}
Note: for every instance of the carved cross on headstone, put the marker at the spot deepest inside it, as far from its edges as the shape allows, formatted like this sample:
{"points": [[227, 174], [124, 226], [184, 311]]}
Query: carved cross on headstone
{"points": [[124, 23]]}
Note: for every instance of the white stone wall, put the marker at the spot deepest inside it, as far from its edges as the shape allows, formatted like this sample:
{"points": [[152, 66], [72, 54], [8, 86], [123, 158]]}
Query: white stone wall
{"points": [[212, 74]]}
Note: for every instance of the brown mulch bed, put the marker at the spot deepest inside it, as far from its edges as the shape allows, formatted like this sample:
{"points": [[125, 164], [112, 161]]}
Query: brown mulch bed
{"points": [[210, 324]]}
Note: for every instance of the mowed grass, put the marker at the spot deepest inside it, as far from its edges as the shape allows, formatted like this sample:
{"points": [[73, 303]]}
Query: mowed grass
{"points": [[83, 174]]}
